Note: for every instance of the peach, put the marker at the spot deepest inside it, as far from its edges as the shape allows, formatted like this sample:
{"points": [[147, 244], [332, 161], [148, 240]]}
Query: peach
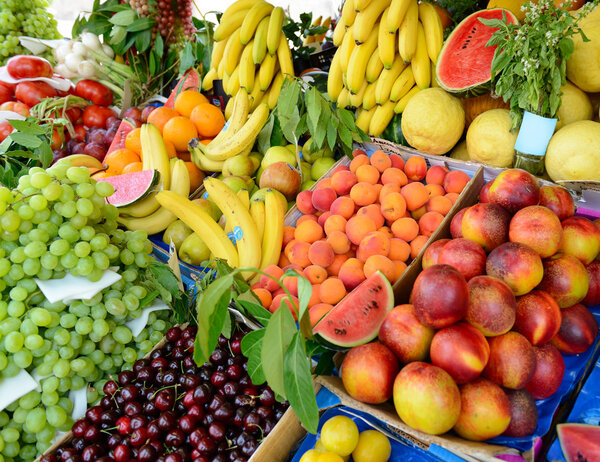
{"points": [[455, 181], [436, 175], [549, 372], [387, 189], [315, 274], [304, 202], [465, 255], [357, 161], [486, 224], [405, 228], [538, 227], [304, 218], [559, 200], [397, 161], [456, 224], [315, 295], [332, 290], [415, 195], [368, 373], [358, 227], [429, 222], [426, 398], [439, 204], [400, 268], [264, 296], [338, 261], [432, 253], [323, 218], [440, 296], [387, 231], [367, 174], [538, 317], [518, 265], [364, 194], [484, 194], [316, 312], [340, 168], [565, 279], [523, 413], [372, 211], [512, 360], [380, 263], [453, 197], [308, 231], [415, 168], [374, 243], [298, 254], [380, 160], [578, 330], [403, 333], [417, 244], [268, 283], [339, 242], [283, 260], [394, 176], [484, 411], [321, 253], [282, 300], [322, 198], [343, 181], [593, 295], [323, 183], [399, 249], [515, 189], [291, 284], [343, 206], [351, 275], [492, 306], [435, 190], [461, 350], [335, 223], [393, 206], [288, 235], [581, 239]]}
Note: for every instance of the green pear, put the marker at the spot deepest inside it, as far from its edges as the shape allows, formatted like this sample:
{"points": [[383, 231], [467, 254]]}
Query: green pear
{"points": [[278, 154], [193, 250], [313, 156], [259, 195], [320, 167], [307, 185], [236, 183], [209, 207], [305, 167], [255, 163], [239, 165], [177, 232]]}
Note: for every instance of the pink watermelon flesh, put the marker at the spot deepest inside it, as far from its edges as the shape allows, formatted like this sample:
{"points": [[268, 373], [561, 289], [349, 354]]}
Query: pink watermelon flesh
{"points": [[579, 442], [190, 81], [131, 187], [125, 127], [357, 318], [464, 65]]}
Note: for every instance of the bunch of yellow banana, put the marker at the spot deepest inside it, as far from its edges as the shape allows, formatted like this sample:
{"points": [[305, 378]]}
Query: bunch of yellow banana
{"points": [[387, 50], [236, 140], [251, 52], [318, 38]]}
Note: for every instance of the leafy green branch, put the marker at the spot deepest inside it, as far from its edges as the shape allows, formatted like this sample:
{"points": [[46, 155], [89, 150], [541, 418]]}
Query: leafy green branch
{"points": [[296, 33]]}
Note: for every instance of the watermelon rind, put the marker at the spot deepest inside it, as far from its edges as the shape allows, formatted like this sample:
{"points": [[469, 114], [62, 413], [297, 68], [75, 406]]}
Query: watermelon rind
{"points": [[579, 442], [131, 188], [125, 127], [356, 319], [452, 45]]}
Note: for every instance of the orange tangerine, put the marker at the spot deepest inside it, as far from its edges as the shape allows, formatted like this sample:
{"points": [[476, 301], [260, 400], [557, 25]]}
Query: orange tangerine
{"points": [[133, 142], [187, 100], [208, 119], [160, 116], [179, 131], [117, 160]]}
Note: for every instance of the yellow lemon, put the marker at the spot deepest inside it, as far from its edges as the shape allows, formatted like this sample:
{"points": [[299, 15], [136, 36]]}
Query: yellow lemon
{"points": [[489, 139]]}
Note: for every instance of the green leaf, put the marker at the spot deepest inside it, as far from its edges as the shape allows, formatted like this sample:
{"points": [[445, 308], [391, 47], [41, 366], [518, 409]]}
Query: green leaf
{"points": [[28, 127], [288, 99], [298, 384], [264, 136], [140, 24], [117, 35], [345, 136], [301, 127], [251, 345], [332, 132], [321, 131], [325, 365], [304, 294], [313, 108], [159, 46], [346, 117], [278, 336], [567, 47], [45, 155], [143, 39], [249, 303], [187, 58], [226, 332], [152, 62], [277, 135], [123, 18], [26, 139], [291, 121]]}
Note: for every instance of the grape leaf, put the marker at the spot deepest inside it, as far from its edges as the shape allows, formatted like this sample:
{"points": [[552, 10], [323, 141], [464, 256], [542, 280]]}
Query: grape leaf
{"points": [[123, 18]]}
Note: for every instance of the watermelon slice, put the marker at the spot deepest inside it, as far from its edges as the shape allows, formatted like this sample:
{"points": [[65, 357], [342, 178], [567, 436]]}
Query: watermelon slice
{"points": [[132, 187], [191, 80], [118, 142], [357, 318], [464, 66], [579, 442]]}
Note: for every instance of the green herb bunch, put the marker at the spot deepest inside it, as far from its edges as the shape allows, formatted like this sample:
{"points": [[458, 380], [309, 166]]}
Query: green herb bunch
{"points": [[296, 32], [530, 61]]}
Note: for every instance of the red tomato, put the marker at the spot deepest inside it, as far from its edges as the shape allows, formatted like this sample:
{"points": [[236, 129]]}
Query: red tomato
{"points": [[57, 139], [5, 130], [95, 116], [94, 91], [10, 86], [80, 132], [74, 114], [32, 93], [5, 94], [27, 67], [15, 106]]}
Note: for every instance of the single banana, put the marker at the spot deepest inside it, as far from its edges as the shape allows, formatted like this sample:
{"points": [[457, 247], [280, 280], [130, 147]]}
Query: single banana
{"points": [[228, 109], [433, 29], [260, 41], [275, 90], [217, 53], [244, 228], [207, 81], [267, 72], [155, 152], [221, 69], [421, 64], [381, 119], [253, 18], [244, 197], [284, 56], [357, 99], [229, 25], [255, 97], [339, 32], [403, 84], [386, 42], [366, 19], [233, 84], [386, 80], [242, 139], [161, 218], [334, 78], [273, 230], [239, 114], [225, 81], [83, 160], [360, 5], [344, 98], [317, 22], [364, 118], [407, 34], [346, 48], [201, 161], [233, 52], [247, 68], [368, 100], [374, 67], [237, 6], [257, 211], [203, 224], [320, 37], [400, 105], [348, 13], [312, 38], [358, 62], [274, 30], [397, 12]]}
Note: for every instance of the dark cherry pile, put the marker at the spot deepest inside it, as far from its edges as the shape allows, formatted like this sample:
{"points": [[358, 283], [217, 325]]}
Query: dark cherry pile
{"points": [[167, 409]]}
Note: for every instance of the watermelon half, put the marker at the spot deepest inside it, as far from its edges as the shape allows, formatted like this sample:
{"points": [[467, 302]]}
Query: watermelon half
{"points": [[464, 66], [132, 187], [357, 318], [579, 442], [125, 127]]}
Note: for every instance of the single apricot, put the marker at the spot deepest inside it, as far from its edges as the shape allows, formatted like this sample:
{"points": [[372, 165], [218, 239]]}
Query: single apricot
{"points": [[367, 174], [317, 312], [361, 159], [405, 228], [452, 196], [283, 300], [288, 235], [436, 175], [283, 260], [363, 194], [340, 168], [429, 222], [298, 253], [339, 242], [358, 227], [315, 274], [315, 295], [381, 263], [322, 198], [380, 160], [393, 206], [343, 181], [321, 253], [455, 181], [415, 168], [323, 183], [343, 206], [435, 190], [338, 261], [323, 218], [335, 223], [399, 249], [415, 195], [264, 296], [308, 231], [374, 243], [387, 189], [394, 176], [387, 231], [417, 214], [417, 244], [439, 204], [304, 202], [372, 211], [400, 267], [332, 290], [304, 218], [266, 282], [287, 248], [291, 284], [351, 275], [397, 161]]}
